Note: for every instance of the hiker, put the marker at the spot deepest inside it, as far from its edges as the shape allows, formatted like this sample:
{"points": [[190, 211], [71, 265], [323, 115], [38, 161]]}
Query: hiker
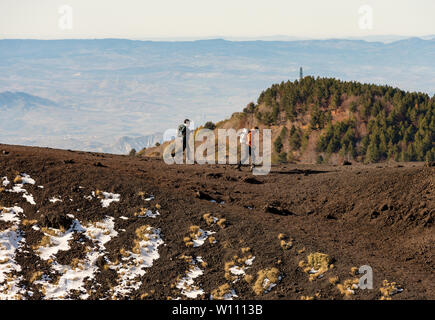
{"points": [[252, 147], [243, 147], [246, 141], [183, 131]]}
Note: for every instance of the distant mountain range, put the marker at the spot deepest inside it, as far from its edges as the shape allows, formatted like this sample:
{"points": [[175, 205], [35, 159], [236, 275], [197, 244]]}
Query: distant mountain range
{"points": [[125, 144], [87, 94], [23, 100]]}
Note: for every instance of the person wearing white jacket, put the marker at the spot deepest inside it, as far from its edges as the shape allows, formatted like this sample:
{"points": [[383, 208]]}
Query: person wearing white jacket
{"points": [[244, 147]]}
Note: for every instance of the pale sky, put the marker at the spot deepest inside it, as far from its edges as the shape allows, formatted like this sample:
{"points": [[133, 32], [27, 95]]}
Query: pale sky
{"points": [[145, 19]]}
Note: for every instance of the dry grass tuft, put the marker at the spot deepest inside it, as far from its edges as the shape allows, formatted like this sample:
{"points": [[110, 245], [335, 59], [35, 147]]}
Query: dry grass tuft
{"points": [[333, 280], [194, 229], [282, 236], [36, 276], [27, 222], [286, 245], [265, 278], [5, 260], [347, 288], [18, 180], [141, 212], [318, 261], [228, 276], [76, 264], [142, 233], [208, 218], [245, 250], [124, 252], [222, 223], [301, 251], [389, 289], [45, 241], [354, 271], [248, 278], [221, 291], [317, 264]]}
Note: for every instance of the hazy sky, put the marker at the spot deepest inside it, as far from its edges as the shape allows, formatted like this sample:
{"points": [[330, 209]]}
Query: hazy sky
{"points": [[145, 19]]}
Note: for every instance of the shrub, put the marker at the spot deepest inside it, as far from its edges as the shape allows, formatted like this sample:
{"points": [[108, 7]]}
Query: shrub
{"points": [[209, 125]]}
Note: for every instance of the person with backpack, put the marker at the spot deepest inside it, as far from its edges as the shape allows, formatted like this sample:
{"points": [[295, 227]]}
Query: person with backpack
{"points": [[252, 147], [246, 141], [183, 132], [243, 147]]}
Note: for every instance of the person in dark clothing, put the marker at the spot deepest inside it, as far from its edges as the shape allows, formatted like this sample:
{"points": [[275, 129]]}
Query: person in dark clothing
{"points": [[183, 131]]}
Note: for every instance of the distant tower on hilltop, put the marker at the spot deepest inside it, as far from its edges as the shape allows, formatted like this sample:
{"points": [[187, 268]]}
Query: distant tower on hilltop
{"points": [[301, 73]]}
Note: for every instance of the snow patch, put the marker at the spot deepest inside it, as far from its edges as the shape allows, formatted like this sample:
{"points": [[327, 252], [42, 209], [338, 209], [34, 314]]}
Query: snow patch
{"points": [[109, 198], [73, 276], [133, 264], [186, 284], [54, 199], [199, 241], [5, 181], [11, 240]]}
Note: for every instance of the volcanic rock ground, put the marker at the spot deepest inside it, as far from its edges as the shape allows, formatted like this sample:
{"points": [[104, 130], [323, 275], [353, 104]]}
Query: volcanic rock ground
{"points": [[98, 226]]}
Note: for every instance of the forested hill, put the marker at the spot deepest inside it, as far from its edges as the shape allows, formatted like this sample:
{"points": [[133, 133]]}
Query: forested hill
{"points": [[327, 120]]}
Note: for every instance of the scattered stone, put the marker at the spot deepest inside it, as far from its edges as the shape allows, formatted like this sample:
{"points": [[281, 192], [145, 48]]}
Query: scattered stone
{"points": [[202, 195], [252, 180], [99, 164], [270, 208]]}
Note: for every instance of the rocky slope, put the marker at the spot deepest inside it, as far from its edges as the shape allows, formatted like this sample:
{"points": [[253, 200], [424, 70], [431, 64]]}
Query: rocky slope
{"points": [[97, 226]]}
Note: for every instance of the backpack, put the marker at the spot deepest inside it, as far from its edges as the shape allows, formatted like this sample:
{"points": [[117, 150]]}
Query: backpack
{"points": [[181, 130]]}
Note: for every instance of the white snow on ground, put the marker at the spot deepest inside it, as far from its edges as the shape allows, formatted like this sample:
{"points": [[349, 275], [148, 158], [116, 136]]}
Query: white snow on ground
{"points": [[132, 265], [59, 241], [11, 240], [102, 232], [249, 261], [73, 276], [5, 181], [214, 201], [149, 214], [25, 178], [268, 285], [109, 198], [29, 198], [199, 241], [18, 187], [241, 270], [11, 215], [236, 270], [228, 296], [54, 199], [186, 284]]}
